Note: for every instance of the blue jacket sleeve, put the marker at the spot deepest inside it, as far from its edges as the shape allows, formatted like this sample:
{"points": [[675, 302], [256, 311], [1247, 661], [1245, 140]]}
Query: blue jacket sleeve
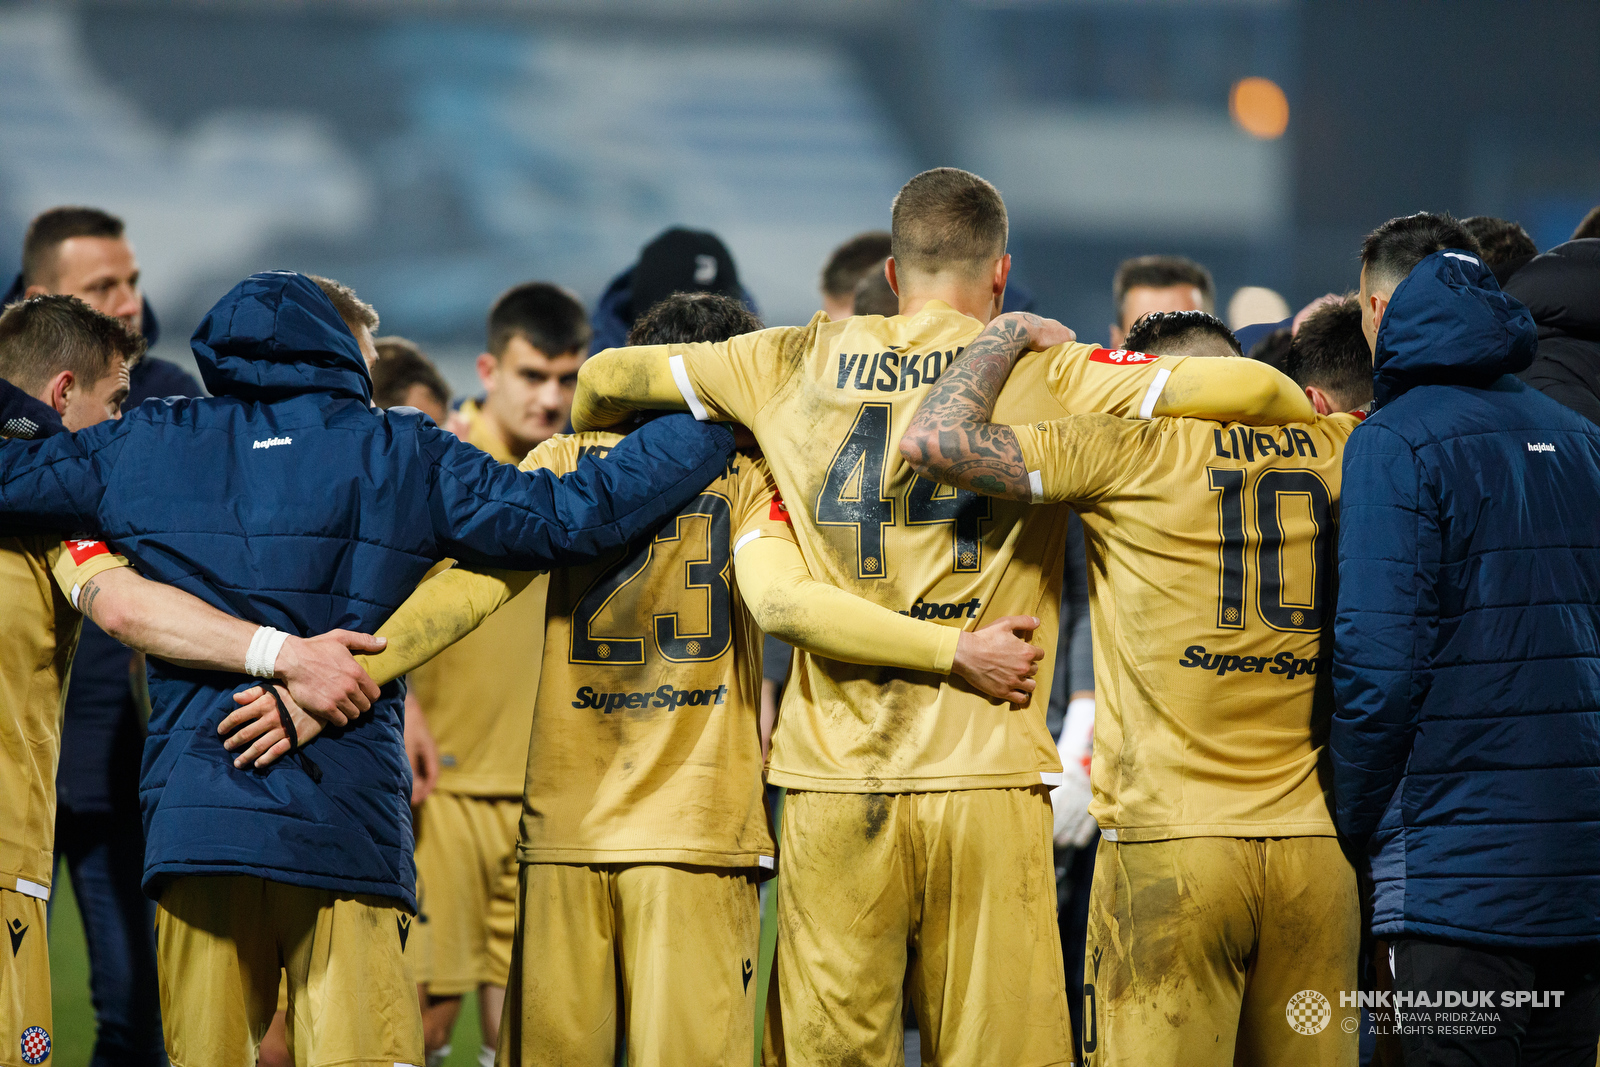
{"points": [[491, 514], [56, 482], [1387, 620]]}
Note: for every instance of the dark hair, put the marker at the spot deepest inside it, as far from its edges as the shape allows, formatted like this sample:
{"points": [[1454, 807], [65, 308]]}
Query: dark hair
{"points": [[355, 312], [546, 316], [47, 231], [1390, 252], [1273, 349], [45, 335], [400, 366], [1500, 241], [1161, 272], [1168, 333], [874, 295], [947, 219], [684, 318], [1589, 227], [1330, 352], [854, 260]]}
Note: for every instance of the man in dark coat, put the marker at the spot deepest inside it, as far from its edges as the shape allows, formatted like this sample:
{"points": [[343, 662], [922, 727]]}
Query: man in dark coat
{"points": [[1562, 290], [84, 252], [288, 501], [1466, 745]]}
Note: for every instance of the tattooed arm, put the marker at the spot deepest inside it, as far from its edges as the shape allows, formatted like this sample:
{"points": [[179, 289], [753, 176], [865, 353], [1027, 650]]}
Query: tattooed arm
{"points": [[169, 624], [951, 439]]}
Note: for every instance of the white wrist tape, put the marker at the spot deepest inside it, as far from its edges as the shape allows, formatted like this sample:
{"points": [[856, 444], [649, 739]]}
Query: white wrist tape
{"points": [[261, 659]]}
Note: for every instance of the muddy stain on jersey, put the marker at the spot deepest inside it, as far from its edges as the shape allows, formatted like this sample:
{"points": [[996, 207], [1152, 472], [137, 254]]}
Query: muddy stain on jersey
{"points": [[877, 813]]}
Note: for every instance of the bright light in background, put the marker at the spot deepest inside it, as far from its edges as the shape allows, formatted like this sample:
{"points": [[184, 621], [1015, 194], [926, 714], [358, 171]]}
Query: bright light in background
{"points": [[1259, 107], [1255, 303]]}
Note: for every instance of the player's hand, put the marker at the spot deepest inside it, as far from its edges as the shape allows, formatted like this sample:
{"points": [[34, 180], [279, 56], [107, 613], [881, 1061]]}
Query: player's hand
{"points": [[1069, 802], [325, 678], [421, 750], [998, 661], [255, 730], [1043, 333]]}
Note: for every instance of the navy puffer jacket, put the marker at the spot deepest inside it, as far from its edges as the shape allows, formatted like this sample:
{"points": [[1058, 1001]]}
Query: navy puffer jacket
{"points": [[1466, 745], [285, 499]]}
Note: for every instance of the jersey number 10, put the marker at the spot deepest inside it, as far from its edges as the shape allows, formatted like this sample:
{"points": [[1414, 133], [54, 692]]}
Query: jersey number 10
{"points": [[1280, 559], [853, 495]]}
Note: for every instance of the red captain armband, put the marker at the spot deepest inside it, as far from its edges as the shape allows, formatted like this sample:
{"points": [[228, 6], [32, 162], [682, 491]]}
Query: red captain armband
{"points": [[81, 549], [1121, 357], [779, 512]]}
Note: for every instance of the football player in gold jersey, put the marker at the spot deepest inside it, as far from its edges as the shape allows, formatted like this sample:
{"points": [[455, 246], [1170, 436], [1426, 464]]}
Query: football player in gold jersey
{"points": [[74, 363], [917, 829], [1224, 915], [643, 825], [478, 695]]}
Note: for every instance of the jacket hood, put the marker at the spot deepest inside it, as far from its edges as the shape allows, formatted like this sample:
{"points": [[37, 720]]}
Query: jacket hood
{"points": [[149, 327], [277, 335], [1448, 323], [1562, 290]]}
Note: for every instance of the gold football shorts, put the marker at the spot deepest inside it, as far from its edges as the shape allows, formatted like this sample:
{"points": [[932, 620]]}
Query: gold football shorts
{"points": [[955, 891], [466, 892], [1221, 951], [664, 954], [26, 1035], [222, 944]]}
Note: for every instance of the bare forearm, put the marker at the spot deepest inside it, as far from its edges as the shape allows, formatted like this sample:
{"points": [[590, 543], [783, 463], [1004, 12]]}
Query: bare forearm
{"points": [[951, 439], [165, 622]]}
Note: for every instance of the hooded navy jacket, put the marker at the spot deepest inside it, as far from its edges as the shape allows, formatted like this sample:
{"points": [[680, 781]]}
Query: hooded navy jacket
{"points": [[1562, 290], [285, 499], [1466, 744]]}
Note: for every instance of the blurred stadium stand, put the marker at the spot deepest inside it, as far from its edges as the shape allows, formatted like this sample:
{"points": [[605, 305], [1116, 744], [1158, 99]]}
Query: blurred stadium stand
{"points": [[432, 155]]}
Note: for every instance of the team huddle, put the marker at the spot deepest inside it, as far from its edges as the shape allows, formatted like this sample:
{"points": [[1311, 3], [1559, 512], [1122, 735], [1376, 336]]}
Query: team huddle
{"points": [[887, 494]]}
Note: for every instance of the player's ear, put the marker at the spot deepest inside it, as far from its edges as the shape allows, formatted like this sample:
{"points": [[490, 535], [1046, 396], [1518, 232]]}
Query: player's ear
{"points": [[58, 394], [1002, 271], [1319, 400], [487, 365], [892, 274]]}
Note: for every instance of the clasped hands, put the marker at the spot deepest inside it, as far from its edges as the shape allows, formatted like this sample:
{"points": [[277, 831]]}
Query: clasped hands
{"points": [[321, 685]]}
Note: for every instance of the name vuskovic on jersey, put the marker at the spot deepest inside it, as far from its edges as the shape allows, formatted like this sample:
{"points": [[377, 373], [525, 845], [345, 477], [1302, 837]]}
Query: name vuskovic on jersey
{"points": [[1286, 664], [665, 696], [273, 442], [892, 372]]}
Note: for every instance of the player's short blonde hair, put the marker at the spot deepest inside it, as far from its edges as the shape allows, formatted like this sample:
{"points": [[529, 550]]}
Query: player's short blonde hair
{"points": [[948, 220]]}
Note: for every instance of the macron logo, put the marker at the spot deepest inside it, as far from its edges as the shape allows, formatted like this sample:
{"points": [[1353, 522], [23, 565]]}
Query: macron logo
{"points": [[271, 441], [1539, 446]]}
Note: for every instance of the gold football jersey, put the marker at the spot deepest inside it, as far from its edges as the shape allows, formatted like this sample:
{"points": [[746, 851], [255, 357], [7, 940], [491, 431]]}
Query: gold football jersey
{"points": [[478, 694], [646, 743], [41, 576], [829, 403], [1211, 580]]}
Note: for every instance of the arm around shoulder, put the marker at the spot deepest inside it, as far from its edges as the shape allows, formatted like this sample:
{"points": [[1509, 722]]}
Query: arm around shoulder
{"points": [[1233, 390], [616, 383]]}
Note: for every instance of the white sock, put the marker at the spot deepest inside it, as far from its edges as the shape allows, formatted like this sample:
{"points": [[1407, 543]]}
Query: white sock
{"points": [[486, 1056], [439, 1055]]}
